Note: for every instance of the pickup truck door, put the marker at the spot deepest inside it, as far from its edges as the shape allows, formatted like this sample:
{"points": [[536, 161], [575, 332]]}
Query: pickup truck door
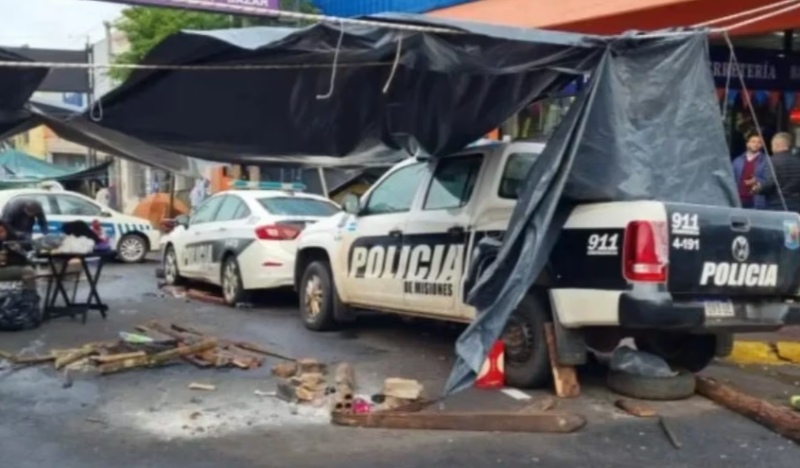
{"points": [[371, 242], [437, 237]]}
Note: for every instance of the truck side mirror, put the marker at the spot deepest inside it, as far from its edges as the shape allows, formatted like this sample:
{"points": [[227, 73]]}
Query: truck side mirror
{"points": [[351, 204]]}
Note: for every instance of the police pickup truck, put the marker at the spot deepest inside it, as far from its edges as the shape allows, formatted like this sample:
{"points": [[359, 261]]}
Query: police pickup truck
{"points": [[678, 278]]}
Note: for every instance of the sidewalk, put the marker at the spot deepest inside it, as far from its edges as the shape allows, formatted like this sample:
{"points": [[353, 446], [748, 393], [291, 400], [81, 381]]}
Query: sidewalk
{"points": [[781, 347]]}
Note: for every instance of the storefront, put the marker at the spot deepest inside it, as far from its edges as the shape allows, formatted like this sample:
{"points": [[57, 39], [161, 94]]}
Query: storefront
{"points": [[772, 82]]}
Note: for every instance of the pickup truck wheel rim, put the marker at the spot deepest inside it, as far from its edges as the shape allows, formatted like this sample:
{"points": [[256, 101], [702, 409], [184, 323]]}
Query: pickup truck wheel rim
{"points": [[131, 248], [313, 296], [231, 282], [170, 268], [518, 341]]}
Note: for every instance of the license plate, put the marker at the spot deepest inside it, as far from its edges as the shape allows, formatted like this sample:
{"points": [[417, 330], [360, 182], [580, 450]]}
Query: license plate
{"points": [[719, 309]]}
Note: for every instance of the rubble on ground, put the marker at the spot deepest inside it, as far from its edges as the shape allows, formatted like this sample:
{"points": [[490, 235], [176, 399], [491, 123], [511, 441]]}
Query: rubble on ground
{"points": [[153, 345]]}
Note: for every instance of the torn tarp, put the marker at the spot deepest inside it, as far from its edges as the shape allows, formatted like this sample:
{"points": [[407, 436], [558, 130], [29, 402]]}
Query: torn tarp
{"points": [[17, 85], [417, 90], [646, 127]]}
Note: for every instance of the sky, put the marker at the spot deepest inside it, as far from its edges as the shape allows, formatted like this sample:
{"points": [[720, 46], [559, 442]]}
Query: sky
{"points": [[63, 24]]}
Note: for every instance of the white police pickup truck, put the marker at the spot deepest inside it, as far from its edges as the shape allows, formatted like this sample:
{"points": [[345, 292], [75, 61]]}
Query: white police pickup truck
{"points": [[678, 278]]}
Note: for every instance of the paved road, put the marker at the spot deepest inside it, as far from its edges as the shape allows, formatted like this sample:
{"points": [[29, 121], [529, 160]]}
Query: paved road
{"points": [[150, 419]]}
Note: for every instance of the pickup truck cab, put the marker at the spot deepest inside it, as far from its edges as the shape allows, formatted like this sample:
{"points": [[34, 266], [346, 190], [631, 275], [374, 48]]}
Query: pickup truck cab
{"points": [[678, 278]]}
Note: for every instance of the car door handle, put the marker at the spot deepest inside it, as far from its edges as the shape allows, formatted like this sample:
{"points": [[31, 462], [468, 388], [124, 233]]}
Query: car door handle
{"points": [[456, 231], [396, 233]]}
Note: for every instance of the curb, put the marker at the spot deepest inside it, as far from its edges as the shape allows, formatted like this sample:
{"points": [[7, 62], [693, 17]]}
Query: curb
{"points": [[762, 352]]}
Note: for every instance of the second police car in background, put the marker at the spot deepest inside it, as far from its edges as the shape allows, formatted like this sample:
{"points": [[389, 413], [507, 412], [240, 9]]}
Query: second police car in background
{"points": [[132, 237], [243, 239]]}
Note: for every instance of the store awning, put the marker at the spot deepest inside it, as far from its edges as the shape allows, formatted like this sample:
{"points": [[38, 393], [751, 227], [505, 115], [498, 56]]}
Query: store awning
{"points": [[617, 16]]}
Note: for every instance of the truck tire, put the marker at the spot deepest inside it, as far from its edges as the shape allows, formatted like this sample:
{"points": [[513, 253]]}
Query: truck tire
{"points": [[319, 302], [678, 387], [527, 362], [681, 351]]}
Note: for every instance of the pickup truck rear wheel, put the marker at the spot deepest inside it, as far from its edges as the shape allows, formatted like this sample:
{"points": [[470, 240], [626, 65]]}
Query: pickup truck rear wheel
{"points": [[318, 298], [527, 363], [681, 351]]}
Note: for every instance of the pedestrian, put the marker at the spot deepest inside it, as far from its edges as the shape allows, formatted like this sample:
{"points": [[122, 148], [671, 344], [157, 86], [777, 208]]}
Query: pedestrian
{"points": [[750, 169], [10, 253], [102, 196], [20, 216], [198, 194], [784, 178]]}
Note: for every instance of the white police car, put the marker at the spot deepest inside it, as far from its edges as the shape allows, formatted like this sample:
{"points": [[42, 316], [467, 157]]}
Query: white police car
{"points": [[132, 237], [243, 239]]}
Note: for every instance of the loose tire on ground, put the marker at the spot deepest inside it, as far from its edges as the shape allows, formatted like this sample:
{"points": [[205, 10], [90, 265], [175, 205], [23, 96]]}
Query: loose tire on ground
{"points": [[318, 298], [678, 387], [232, 288], [527, 362], [132, 248]]}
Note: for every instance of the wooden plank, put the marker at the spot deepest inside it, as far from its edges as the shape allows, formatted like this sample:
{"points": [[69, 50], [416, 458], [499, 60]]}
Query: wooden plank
{"points": [[784, 421], [473, 422], [565, 378], [118, 357], [244, 345]]}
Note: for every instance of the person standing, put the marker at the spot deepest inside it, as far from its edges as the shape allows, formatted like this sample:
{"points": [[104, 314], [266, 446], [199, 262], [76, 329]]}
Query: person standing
{"points": [[20, 216], [786, 178], [103, 196], [750, 169]]}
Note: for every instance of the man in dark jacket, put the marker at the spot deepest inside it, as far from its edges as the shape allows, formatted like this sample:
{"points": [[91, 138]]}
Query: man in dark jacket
{"points": [[20, 215], [786, 178]]}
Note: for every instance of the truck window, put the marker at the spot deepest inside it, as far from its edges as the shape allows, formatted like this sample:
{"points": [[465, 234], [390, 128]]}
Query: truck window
{"points": [[396, 193], [453, 182], [516, 169]]}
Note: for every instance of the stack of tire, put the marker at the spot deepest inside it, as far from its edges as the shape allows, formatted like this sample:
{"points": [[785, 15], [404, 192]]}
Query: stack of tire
{"points": [[20, 302]]}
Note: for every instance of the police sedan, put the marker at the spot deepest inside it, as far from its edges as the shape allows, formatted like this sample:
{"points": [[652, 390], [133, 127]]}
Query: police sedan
{"points": [[132, 237], [243, 239]]}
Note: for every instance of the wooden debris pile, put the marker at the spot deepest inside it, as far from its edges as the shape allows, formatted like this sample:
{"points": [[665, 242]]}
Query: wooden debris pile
{"points": [[153, 345]]}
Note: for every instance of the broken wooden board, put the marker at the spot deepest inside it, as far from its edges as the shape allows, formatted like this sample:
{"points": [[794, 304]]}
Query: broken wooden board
{"points": [[784, 421], [562, 423], [564, 377], [406, 389], [635, 409]]}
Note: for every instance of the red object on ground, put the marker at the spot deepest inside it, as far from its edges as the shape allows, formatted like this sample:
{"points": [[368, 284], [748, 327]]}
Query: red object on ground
{"points": [[493, 375]]}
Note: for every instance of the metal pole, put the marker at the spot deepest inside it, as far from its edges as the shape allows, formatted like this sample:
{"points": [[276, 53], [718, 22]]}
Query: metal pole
{"points": [[322, 182]]}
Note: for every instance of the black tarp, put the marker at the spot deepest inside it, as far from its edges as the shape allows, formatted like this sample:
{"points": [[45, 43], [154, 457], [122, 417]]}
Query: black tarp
{"points": [[646, 128], [17, 85], [448, 90]]}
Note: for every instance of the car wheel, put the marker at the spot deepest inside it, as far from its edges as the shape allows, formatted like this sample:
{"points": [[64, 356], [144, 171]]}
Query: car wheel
{"points": [[681, 351], [172, 275], [318, 298], [652, 388], [527, 362], [132, 248], [232, 288]]}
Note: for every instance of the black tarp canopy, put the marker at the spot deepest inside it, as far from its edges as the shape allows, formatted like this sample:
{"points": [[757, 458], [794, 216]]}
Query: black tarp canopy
{"points": [[17, 85], [420, 91]]}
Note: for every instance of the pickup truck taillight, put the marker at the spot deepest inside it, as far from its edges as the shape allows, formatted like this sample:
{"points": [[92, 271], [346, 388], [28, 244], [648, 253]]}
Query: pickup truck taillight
{"points": [[646, 252], [278, 232]]}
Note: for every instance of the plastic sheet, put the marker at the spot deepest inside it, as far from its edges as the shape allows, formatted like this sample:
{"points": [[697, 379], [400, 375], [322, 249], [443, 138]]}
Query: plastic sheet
{"points": [[631, 361]]}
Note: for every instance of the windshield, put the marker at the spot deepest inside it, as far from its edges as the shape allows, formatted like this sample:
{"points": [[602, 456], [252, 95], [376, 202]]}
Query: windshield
{"points": [[514, 174], [295, 206]]}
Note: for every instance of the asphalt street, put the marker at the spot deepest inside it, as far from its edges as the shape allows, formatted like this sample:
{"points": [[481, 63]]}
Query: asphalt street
{"points": [[149, 418]]}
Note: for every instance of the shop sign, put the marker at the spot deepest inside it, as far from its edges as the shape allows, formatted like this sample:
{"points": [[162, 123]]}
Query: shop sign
{"points": [[225, 6], [761, 69]]}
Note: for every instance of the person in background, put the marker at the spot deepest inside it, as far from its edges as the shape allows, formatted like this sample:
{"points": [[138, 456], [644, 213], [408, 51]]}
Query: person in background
{"points": [[10, 253], [102, 196], [20, 216], [198, 194], [749, 170], [786, 178]]}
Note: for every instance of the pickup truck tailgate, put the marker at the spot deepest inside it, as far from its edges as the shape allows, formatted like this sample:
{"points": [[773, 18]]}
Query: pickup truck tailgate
{"points": [[717, 251]]}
